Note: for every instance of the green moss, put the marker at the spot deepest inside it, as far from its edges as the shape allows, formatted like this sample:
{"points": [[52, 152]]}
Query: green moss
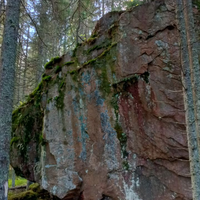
{"points": [[35, 187], [35, 96], [27, 195], [145, 76], [105, 71], [94, 35], [17, 117], [119, 130], [61, 89], [34, 192], [43, 75], [75, 49], [58, 69], [46, 78], [89, 62], [59, 101], [74, 74], [91, 41], [123, 85], [61, 85], [196, 3], [122, 139], [105, 85], [108, 49], [100, 63], [14, 140], [42, 141], [37, 89], [100, 56], [25, 127], [113, 29], [97, 47], [114, 104], [48, 66], [69, 63], [49, 100], [72, 71], [52, 62], [125, 165]]}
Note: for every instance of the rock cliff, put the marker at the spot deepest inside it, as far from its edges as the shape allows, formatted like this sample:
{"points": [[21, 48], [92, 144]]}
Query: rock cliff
{"points": [[107, 121]]}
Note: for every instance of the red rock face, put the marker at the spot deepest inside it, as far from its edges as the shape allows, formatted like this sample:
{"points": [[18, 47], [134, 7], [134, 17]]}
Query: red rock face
{"points": [[121, 132]]}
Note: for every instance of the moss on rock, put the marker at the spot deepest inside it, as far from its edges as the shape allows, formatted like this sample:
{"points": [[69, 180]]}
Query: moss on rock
{"points": [[27, 195], [46, 78], [34, 192], [75, 49], [35, 187], [25, 127], [26, 131], [58, 69], [61, 90], [105, 44], [52, 62], [91, 40], [122, 137], [74, 74], [69, 63]]}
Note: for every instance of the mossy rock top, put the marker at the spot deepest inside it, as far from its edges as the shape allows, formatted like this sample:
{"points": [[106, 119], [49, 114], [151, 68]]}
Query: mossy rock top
{"points": [[27, 195], [33, 193]]}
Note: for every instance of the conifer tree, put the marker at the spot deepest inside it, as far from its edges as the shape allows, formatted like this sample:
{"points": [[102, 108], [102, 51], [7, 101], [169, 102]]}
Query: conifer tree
{"points": [[8, 58], [190, 77]]}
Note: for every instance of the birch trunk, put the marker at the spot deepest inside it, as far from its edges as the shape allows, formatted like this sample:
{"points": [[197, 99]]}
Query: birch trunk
{"points": [[8, 58]]}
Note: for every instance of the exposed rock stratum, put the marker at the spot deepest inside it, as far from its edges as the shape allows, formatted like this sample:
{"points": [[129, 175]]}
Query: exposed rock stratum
{"points": [[107, 122]]}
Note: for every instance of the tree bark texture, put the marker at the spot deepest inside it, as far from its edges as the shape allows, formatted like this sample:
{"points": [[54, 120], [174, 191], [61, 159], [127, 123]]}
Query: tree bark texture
{"points": [[190, 77], [41, 47], [26, 64], [8, 58], [13, 177]]}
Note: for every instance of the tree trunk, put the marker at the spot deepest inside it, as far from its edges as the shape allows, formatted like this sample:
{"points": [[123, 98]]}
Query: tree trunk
{"points": [[8, 58], [79, 22], [13, 178], [41, 48], [112, 5], [103, 7], [191, 74], [24, 89]]}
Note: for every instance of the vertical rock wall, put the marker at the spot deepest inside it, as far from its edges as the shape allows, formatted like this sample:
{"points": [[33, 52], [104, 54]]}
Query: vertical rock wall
{"points": [[112, 114]]}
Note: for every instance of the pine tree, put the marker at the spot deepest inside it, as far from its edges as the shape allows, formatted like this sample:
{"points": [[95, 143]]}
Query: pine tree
{"points": [[190, 77], [8, 58]]}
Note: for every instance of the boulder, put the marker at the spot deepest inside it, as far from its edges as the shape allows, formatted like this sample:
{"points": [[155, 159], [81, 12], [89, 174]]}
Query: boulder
{"points": [[107, 121]]}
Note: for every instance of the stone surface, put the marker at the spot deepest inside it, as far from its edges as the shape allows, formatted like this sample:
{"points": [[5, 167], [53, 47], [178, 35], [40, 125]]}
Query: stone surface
{"points": [[113, 119]]}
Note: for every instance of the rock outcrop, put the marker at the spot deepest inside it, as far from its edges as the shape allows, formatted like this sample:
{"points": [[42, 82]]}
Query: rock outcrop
{"points": [[108, 121]]}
